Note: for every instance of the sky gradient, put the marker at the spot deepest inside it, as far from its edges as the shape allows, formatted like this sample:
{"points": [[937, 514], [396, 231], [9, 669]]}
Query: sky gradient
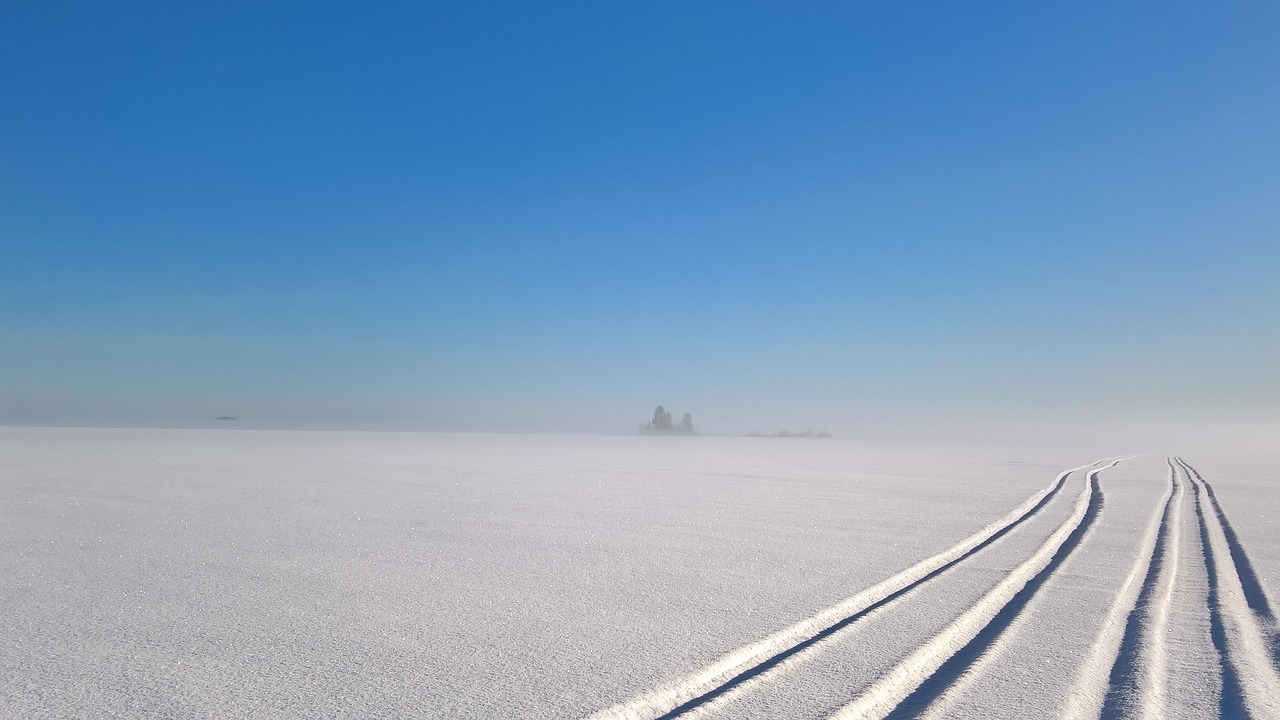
{"points": [[498, 216]]}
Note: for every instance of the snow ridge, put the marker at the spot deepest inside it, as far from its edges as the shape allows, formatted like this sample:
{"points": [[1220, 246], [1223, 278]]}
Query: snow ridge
{"points": [[965, 637], [734, 668], [1251, 685]]}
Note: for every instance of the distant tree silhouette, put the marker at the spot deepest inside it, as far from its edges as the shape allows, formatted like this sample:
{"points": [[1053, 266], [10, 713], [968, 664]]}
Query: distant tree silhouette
{"points": [[661, 424]]}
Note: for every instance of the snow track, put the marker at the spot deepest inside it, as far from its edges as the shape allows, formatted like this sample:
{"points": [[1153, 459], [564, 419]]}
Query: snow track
{"points": [[1141, 665], [1254, 594], [1112, 670], [1187, 594], [921, 677], [750, 661], [1251, 685]]}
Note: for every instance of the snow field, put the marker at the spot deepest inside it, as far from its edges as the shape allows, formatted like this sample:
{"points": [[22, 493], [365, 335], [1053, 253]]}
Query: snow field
{"points": [[296, 575], [301, 575]]}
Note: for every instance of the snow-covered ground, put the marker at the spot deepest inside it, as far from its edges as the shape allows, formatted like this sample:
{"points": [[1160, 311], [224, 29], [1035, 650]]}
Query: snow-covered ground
{"points": [[166, 573]]}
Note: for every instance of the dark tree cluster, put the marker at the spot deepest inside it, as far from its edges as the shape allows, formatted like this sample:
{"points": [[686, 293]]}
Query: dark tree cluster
{"points": [[661, 424]]}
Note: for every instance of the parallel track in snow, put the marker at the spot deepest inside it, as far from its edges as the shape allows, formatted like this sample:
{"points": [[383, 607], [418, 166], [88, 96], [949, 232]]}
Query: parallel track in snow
{"points": [[1250, 681], [1254, 594], [1129, 670], [919, 679], [1111, 668], [699, 687], [1241, 623], [1137, 677]]}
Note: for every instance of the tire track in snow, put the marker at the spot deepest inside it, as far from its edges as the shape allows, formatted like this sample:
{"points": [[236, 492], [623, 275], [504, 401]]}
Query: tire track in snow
{"points": [[1254, 593], [920, 678], [1250, 684], [1137, 676], [749, 661], [1110, 664], [1232, 701]]}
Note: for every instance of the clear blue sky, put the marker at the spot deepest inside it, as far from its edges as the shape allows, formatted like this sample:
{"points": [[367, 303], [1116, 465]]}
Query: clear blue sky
{"points": [[522, 216]]}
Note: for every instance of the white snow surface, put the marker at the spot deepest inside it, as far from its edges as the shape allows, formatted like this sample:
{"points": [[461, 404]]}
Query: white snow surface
{"points": [[169, 573]]}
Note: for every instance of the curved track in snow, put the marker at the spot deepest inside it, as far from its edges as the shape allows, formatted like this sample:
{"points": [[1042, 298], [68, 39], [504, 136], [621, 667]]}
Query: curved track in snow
{"points": [[745, 663], [734, 668], [1185, 563], [925, 674]]}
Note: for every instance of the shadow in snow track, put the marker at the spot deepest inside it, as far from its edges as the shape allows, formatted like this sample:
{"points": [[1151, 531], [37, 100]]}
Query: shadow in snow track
{"points": [[937, 683], [1124, 672], [1232, 703], [776, 660]]}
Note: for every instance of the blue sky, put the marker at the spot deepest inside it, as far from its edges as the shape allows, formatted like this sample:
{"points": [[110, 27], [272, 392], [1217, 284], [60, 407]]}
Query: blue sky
{"points": [[510, 217]]}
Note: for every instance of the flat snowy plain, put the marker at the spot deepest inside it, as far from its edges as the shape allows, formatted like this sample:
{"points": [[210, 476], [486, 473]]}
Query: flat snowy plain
{"points": [[169, 573]]}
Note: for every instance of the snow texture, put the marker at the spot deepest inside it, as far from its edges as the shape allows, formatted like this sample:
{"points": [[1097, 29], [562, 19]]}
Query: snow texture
{"points": [[301, 575]]}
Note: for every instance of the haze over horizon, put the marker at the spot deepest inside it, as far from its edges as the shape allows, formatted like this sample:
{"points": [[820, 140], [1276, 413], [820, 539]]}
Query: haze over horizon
{"points": [[505, 217]]}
